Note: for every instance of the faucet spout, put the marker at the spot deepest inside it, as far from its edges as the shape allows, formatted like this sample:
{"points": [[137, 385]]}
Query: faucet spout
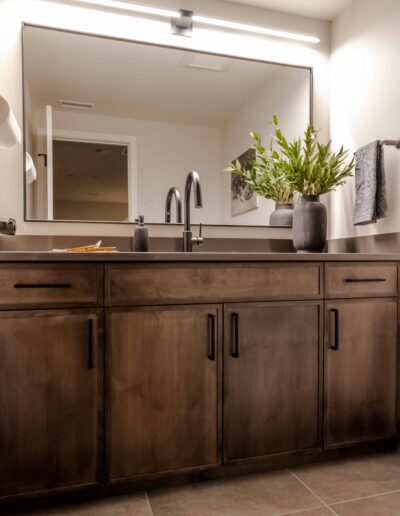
{"points": [[173, 192], [192, 180]]}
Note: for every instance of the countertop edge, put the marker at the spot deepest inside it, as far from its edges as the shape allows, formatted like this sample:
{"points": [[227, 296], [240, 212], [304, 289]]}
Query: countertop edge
{"points": [[39, 256]]}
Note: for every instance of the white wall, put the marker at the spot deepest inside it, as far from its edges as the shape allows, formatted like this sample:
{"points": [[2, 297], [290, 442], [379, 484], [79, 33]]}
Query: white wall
{"points": [[365, 101], [74, 17], [285, 94], [166, 153]]}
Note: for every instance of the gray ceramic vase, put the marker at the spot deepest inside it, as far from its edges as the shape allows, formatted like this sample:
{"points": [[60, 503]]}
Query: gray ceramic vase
{"points": [[309, 225], [282, 216]]}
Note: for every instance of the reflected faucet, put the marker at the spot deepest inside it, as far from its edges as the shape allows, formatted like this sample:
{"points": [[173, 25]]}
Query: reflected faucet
{"points": [[8, 226], [188, 239], [173, 192]]}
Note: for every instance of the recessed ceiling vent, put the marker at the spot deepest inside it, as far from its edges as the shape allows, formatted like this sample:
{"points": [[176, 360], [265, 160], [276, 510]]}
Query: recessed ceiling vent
{"points": [[76, 104], [204, 62]]}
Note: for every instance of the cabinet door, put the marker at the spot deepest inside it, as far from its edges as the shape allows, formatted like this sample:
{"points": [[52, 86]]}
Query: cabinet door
{"points": [[50, 380], [360, 370], [271, 383], [162, 389]]}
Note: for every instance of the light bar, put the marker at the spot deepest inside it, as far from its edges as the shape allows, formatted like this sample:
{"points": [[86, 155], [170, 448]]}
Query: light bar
{"points": [[255, 30], [125, 6]]}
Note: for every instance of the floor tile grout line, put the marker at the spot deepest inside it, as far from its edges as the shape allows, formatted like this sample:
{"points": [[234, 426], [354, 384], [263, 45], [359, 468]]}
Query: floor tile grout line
{"points": [[148, 503], [366, 497], [300, 511], [313, 493]]}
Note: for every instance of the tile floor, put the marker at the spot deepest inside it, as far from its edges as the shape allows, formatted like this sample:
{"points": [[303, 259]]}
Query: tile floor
{"points": [[363, 486]]}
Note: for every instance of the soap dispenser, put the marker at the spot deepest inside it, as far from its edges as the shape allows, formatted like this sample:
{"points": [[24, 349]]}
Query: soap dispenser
{"points": [[141, 236]]}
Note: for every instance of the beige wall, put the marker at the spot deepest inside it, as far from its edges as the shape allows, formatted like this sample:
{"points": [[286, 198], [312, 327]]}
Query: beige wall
{"points": [[74, 17], [365, 101]]}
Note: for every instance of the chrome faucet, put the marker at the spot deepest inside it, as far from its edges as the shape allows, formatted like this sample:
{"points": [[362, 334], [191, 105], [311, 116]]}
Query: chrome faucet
{"points": [[173, 192], [8, 226], [188, 239]]}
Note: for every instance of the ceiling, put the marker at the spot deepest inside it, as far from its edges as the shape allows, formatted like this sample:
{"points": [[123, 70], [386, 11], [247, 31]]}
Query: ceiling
{"points": [[320, 9], [132, 80]]}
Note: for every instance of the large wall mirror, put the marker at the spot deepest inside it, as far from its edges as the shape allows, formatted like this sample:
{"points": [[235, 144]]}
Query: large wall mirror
{"points": [[111, 125]]}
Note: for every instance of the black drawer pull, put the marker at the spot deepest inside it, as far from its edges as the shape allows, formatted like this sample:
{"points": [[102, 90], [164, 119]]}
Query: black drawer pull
{"points": [[42, 285], [365, 280], [235, 335], [334, 329], [211, 336], [90, 344]]}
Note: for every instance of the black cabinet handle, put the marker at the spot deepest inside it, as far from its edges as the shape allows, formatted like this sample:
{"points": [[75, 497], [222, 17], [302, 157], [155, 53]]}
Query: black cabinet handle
{"points": [[334, 329], [235, 335], [211, 336], [364, 280], [42, 285], [90, 344]]}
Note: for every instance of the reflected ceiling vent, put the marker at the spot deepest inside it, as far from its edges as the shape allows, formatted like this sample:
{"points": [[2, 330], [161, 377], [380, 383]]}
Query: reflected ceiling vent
{"points": [[205, 62], [76, 104]]}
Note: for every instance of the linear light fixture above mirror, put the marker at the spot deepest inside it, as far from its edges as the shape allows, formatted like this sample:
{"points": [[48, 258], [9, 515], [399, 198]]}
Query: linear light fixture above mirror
{"points": [[265, 31], [215, 22]]}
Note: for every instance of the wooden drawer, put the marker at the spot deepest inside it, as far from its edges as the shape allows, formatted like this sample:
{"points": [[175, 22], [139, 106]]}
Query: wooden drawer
{"points": [[153, 284], [50, 285], [360, 280]]}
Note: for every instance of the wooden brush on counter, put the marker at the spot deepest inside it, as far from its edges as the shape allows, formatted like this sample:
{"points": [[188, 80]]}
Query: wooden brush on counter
{"points": [[95, 248]]}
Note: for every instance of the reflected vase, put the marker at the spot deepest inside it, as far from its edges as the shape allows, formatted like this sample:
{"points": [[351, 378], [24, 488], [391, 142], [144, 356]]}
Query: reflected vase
{"points": [[282, 216]]}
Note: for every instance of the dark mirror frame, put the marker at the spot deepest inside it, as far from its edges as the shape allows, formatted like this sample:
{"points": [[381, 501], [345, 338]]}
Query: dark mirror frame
{"points": [[24, 25]]}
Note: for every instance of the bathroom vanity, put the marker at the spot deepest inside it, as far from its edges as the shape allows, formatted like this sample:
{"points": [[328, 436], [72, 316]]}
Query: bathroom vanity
{"points": [[127, 370]]}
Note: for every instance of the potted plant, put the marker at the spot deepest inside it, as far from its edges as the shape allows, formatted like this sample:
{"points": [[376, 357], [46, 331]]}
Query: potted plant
{"points": [[265, 176], [312, 169]]}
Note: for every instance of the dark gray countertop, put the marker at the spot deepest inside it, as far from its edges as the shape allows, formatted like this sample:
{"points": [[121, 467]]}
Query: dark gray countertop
{"points": [[38, 256]]}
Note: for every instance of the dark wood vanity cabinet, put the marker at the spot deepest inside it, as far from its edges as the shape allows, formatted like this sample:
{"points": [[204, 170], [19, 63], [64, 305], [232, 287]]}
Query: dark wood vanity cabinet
{"points": [[162, 389], [271, 378], [162, 374], [360, 370], [206, 365], [50, 399]]}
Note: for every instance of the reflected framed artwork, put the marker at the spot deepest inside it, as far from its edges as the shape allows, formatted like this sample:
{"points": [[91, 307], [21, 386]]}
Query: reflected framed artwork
{"points": [[242, 198]]}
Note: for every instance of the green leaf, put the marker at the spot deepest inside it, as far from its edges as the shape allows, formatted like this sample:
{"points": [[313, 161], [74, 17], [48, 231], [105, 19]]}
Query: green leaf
{"points": [[302, 165], [256, 137]]}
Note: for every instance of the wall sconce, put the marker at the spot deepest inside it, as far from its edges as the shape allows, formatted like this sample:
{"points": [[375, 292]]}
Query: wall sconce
{"points": [[10, 133], [30, 169]]}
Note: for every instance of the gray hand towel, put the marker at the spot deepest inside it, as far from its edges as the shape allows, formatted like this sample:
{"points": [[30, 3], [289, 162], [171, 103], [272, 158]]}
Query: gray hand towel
{"points": [[371, 200]]}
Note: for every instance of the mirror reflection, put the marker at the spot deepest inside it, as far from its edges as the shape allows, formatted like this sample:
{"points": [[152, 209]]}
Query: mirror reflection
{"points": [[111, 126]]}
